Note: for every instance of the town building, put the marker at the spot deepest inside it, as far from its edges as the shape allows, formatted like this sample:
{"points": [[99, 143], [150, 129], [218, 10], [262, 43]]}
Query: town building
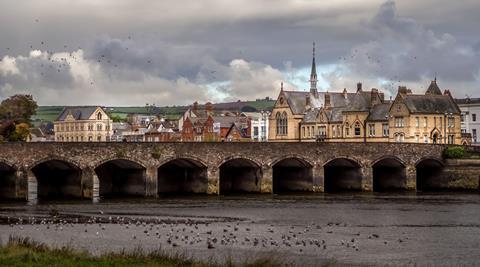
{"points": [[470, 108], [83, 124], [258, 125], [365, 116]]}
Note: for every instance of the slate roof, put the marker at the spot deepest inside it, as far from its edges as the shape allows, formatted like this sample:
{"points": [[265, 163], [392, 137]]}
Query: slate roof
{"points": [[79, 113], [433, 89], [379, 112], [297, 100], [431, 104], [461, 101]]}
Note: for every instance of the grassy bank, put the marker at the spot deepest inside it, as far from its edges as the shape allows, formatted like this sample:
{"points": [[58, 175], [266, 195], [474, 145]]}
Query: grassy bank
{"points": [[20, 252]]}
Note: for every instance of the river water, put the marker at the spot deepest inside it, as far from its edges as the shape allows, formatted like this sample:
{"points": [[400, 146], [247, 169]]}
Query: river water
{"points": [[303, 230]]}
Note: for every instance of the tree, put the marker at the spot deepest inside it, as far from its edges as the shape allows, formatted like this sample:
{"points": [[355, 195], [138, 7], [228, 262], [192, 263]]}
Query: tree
{"points": [[18, 108], [21, 132]]}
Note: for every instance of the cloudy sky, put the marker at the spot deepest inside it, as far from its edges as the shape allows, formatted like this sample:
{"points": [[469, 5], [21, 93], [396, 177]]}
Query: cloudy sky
{"points": [[132, 52]]}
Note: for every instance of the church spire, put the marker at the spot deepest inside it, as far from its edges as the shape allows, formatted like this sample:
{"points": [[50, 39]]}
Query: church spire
{"points": [[313, 75]]}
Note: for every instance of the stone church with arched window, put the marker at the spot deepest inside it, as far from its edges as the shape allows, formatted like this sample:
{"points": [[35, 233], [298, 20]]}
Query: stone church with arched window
{"points": [[365, 116]]}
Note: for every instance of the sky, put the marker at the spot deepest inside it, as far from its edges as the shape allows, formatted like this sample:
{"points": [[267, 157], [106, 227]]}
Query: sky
{"points": [[133, 52]]}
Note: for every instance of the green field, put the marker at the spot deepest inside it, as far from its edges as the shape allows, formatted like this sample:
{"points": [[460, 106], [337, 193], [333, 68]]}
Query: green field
{"points": [[50, 113]]}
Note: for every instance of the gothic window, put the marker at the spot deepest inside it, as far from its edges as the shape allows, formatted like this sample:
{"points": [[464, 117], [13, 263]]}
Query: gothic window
{"points": [[99, 116], [357, 128], [282, 123]]}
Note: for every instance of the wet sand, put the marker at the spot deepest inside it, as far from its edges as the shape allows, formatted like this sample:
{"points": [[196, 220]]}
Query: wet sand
{"points": [[345, 229]]}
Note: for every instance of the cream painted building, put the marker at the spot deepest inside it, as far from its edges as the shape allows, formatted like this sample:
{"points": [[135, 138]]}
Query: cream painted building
{"points": [[83, 124], [365, 116]]}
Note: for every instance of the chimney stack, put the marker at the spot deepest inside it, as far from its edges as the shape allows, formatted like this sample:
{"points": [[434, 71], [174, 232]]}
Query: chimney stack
{"points": [[208, 107], [374, 97], [195, 106], [307, 102], [359, 87]]}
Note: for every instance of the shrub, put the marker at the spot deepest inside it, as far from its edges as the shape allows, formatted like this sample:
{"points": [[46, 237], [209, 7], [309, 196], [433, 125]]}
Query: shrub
{"points": [[456, 152]]}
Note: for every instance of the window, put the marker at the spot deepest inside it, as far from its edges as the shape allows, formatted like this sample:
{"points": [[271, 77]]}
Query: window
{"points": [[282, 123], [417, 138], [474, 135], [99, 127], [371, 129], [357, 129], [474, 117], [417, 122], [385, 131], [99, 138], [425, 122], [451, 122], [425, 139], [334, 131], [255, 131], [347, 130], [462, 117], [322, 131], [399, 137], [99, 116], [450, 139], [303, 131], [399, 122]]}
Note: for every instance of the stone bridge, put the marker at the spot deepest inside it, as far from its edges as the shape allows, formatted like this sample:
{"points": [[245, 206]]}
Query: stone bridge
{"points": [[34, 171]]}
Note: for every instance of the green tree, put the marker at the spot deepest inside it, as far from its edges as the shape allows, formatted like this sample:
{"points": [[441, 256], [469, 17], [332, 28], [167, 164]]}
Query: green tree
{"points": [[21, 132], [18, 108]]}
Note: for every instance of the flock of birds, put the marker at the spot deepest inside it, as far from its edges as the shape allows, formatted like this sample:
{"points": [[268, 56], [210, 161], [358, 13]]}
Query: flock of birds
{"points": [[60, 64], [209, 235]]}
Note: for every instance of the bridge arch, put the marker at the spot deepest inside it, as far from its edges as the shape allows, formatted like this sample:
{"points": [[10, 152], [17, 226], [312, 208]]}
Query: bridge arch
{"points": [[429, 171], [119, 177], [7, 180], [292, 173], [240, 175], [182, 175], [389, 174], [58, 178], [342, 174]]}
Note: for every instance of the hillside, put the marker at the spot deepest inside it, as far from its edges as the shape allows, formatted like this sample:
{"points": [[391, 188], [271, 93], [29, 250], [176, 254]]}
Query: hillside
{"points": [[50, 113]]}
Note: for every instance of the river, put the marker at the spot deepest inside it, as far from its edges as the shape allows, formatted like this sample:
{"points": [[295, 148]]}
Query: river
{"points": [[304, 230]]}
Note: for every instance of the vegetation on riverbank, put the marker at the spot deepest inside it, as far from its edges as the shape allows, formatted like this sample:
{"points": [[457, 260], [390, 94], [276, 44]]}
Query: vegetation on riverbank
{"points": [[20, 252]]}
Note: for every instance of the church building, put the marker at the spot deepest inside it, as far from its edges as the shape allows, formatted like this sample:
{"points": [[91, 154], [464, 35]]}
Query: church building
{"points": [[365, 116]]}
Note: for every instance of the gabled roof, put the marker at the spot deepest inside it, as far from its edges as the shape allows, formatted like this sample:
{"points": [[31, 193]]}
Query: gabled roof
{"points": [[433, 89], [79, 113], [439, 104]]}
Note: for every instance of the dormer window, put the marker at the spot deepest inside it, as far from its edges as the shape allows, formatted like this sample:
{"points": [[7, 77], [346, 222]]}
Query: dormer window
{"points": [[99, 116]]}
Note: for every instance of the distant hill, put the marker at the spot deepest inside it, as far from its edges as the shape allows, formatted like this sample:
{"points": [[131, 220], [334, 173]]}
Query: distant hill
{"points": [[50, 113]]}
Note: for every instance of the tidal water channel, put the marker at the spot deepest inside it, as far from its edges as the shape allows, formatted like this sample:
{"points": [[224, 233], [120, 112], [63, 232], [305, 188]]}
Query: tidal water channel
{"points": [[305, 230]]}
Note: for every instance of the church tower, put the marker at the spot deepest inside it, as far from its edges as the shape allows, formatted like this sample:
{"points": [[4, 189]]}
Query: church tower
{"points": [[313, 76]]}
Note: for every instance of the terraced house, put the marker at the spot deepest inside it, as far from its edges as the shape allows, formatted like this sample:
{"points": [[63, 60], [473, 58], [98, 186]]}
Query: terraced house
{"points": [[83, 124], [365, 116]]}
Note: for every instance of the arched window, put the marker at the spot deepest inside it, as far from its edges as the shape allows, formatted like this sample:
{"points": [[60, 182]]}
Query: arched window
{"points": [[282, 121], [357, 128], [99, 116]]}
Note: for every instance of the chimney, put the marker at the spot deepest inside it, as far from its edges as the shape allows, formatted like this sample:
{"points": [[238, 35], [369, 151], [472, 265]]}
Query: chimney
{"points": [[374, 97], [359, 87], [327, 100], [195, 106], [402, 90], [209, 107], [307, 102], [447, 92], [344, 93]]}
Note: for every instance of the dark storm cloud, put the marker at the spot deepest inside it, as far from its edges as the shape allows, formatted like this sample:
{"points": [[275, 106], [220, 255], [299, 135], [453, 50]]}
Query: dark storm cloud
{"points": [[178, 52]]}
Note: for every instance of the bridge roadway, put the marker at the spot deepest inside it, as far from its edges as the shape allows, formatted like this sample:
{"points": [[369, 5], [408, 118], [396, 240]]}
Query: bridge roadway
{"points": [[33, 171]]}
